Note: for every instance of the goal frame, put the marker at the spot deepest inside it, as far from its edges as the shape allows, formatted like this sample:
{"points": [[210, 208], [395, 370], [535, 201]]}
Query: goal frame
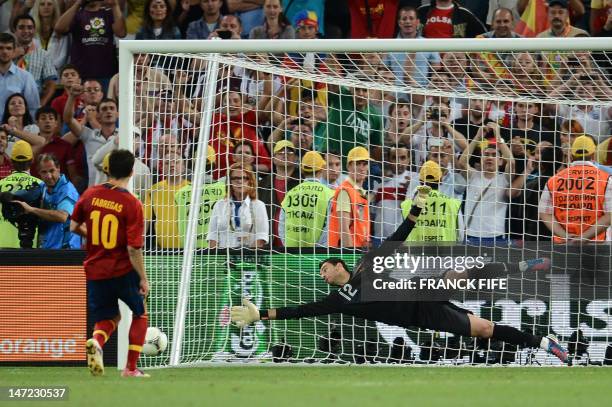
{"points": [[127, 49]]}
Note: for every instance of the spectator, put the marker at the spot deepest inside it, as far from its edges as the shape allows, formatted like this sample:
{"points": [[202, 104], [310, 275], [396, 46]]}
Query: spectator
{"points": [[474, 118], [59, 198], [576, 203], [451, 184], [91, 138], [275, 26], [299, 132], [525, 123], [352, 121], [20, 179], [239, 219], [159, 209], [230, 28], [333, 176], [210, 21], [488, 190], [294, 7], [304, 212], [249, 12], [576, 8], [17, 117], [283, 178], [212, 191], [437, 127], [441, 220], [397, 183], [6, 167], [186, 12], [14, 79], [548, 161], [69, 77], [400, 116], [502, 27], [46, 13], [558, 18], [526, 74], [495, 5], [243, 155], [306, 25], [237, 125], [411, 67], [372, 19], [447, 19], [92, 96], [594, 119], [93, 27], [34, 59], [142, 174], [601, 18], [349, 224], [568, 132], [47, 141], [158, 23]]}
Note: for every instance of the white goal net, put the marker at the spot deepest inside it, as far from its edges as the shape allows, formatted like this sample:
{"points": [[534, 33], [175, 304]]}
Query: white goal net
{"points": [[249, 144]]}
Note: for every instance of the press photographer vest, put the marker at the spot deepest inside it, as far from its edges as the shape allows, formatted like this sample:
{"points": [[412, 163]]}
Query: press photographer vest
{"points": [[578, 195], [17, 181], [305, 208], [437, 221], [211, 193], [359, 215]]}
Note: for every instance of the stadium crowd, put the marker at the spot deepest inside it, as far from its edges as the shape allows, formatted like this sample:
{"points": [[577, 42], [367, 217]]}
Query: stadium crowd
{"points": [[298, 163]]}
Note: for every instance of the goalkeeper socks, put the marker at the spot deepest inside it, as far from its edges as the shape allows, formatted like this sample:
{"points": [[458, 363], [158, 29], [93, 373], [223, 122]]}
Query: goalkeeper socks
{"points": [[138, 330], [103, 330], [516, 337]]}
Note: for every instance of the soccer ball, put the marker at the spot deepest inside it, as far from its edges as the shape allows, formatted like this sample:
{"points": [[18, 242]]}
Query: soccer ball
{"points": [[155, 342]]}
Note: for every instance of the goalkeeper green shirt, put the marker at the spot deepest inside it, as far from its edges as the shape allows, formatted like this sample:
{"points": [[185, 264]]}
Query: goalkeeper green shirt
{"points": [[17, 181], [348, 127], [211, 193]]}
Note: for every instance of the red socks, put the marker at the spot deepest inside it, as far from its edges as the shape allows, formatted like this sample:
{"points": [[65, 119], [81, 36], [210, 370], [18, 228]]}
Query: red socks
{"points": [[138, 330], [103, 330]]}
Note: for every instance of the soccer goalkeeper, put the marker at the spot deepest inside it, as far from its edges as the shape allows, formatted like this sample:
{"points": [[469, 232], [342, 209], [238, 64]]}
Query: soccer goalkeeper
{"points": [[436, 315]]}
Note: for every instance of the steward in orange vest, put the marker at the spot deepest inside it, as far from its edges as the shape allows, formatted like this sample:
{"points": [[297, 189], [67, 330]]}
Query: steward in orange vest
{"points": [[349, 224], [573, 204]]}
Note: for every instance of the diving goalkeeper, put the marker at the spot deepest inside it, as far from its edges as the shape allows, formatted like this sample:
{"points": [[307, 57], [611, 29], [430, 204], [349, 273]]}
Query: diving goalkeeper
{"points": [[436, 315]]}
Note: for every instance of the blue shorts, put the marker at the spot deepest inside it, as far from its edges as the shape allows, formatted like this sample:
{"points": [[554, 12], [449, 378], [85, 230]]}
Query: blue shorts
{"points": [[102, 296]]}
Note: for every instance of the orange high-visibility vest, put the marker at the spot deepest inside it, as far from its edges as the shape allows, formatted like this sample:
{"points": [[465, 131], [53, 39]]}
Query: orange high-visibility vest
{"points": [[360, 217], [578, 195]]}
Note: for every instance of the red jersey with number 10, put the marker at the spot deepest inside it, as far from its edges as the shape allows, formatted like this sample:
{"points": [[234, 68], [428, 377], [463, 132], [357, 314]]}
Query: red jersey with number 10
{"points": [[115, 220]]}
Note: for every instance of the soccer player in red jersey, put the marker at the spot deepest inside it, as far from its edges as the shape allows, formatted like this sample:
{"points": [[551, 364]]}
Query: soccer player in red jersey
{"points": [[112, 220]]}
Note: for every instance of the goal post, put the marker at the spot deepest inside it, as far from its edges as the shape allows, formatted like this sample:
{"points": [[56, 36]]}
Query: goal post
{"points": [[175, 100]]}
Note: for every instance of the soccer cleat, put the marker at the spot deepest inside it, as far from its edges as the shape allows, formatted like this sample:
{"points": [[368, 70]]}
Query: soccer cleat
{"points": [[134, 373], [95, 362], [556, 349], [540, 264]]}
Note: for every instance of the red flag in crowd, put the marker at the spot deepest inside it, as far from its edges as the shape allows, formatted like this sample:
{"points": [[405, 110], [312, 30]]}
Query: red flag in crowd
{"points": [[534, 19]]}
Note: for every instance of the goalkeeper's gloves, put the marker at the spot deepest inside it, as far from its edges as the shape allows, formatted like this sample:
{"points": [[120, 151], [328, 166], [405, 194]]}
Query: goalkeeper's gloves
{"points": [[245, 314], [421, 197]]}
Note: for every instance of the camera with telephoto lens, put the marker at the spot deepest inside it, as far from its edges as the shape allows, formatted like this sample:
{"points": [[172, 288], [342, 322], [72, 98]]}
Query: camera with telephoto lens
{"points": [[433, 113], [14, 213]]}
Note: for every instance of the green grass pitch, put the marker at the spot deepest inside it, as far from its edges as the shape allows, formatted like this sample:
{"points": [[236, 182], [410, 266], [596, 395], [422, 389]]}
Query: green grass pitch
{"points": [[294, 386]]}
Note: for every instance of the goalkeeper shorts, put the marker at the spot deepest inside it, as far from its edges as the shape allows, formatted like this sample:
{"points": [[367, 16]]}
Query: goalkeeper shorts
{"points": [[442, 316]]}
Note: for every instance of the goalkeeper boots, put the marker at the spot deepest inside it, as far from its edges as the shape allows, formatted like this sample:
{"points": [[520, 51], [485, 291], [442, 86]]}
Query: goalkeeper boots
{"points": [[556, 349], [134, 373], [540, 264], [95, 362]]}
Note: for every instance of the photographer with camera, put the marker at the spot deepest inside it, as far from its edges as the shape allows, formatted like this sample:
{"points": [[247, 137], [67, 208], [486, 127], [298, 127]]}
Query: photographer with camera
{"points": [[58, 199], [18, 228], [437, 127]]}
